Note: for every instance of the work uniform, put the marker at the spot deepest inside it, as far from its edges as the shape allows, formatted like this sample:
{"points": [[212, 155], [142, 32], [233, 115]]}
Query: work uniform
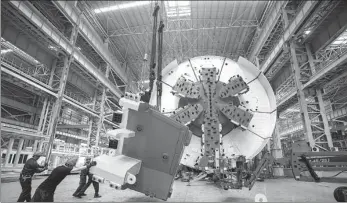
{"points": [[83, 181], [45, 191], [30, 168], [90, 181]]}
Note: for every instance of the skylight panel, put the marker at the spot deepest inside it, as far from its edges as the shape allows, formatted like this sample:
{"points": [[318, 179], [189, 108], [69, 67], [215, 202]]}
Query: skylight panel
{"points": [[121, 6], [177, 8]]}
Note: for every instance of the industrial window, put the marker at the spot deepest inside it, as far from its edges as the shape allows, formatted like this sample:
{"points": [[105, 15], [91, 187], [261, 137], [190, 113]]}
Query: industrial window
{"points": [[113, 144], [117, 117], [25, 159], [10, 159], [122, 6], [20, 158]]}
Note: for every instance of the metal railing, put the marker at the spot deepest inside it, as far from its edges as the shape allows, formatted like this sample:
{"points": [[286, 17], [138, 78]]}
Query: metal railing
{"points": [[285, 88], [77, 97], [26, 69]]}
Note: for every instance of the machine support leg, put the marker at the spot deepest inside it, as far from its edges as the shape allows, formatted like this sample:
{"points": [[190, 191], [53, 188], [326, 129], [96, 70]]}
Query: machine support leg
{"points": [[202, 175], [310, 169]]}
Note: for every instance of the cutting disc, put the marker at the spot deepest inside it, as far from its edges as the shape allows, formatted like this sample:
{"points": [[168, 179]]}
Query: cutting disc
{"points": [[229, 106]]}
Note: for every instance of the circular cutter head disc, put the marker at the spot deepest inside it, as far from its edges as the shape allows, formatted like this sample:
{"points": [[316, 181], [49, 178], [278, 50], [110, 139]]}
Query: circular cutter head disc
{"points": [[229, 106]]}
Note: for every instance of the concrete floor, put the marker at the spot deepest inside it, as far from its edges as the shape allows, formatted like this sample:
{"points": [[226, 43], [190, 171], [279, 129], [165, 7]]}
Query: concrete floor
{"points": [[284, 190]]}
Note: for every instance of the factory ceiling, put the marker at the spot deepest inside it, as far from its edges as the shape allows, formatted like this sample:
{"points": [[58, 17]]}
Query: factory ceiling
{"points": [[192, 28]]}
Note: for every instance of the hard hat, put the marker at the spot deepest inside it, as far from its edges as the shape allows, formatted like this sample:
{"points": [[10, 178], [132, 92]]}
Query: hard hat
{"points": [[39, 154]]}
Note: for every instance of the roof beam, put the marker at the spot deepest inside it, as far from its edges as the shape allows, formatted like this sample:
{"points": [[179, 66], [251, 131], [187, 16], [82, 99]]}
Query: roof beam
{"points": [[289, 32], [91, 36], [43, 23], [265, 31], [337, 26]]}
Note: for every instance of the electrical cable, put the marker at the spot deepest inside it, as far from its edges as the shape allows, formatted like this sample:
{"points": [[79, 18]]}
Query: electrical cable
{"points": [[197, 77], [256, 134], [221, 69], [264, 111], [165, 83], [337, 174], [268, 112], [254, 78]]}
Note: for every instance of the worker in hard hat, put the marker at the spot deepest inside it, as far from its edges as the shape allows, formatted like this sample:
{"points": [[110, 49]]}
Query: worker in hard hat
{"points": [[30, 168], [90, 181], [45, 191]]}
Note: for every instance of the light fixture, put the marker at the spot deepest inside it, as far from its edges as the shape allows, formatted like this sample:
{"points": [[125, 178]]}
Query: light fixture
{"points": [[121, 6], [307, 32], [6, 51], [293, 110], [52, 48]]}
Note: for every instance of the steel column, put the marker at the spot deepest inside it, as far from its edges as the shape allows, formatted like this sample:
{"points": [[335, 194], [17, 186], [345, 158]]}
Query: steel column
{"points": [[319, 97], [285, 18], [19, 150], [102, 109], [301, 96], [91, 119], [62, 84], [310, 58], [277, 151], [54, 66], [9, 150], [324, 117], [35, 145], [40, 146], [42, 116]]}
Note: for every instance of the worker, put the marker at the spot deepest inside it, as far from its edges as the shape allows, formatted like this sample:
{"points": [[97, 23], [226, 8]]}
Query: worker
{"points": [[90, 181], [83, 179], [45, 191], [30, 168]]}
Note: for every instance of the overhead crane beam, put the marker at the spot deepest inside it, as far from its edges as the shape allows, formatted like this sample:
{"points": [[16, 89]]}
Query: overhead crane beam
{"points": [[43, 23], [289, 32], [265, 31], [92, 37]]}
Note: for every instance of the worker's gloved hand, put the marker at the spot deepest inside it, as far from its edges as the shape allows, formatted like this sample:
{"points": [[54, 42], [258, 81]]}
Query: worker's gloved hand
{"points": [[93, 163]]}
